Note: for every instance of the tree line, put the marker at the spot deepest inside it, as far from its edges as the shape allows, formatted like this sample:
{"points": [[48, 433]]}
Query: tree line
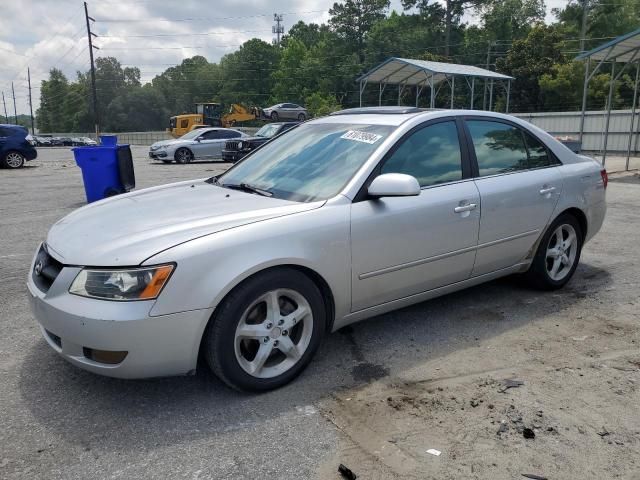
{"points": [[316, 64]]}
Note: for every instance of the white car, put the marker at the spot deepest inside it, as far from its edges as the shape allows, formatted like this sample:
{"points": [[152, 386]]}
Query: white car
{"points": [[342, 218], [199, 144]]}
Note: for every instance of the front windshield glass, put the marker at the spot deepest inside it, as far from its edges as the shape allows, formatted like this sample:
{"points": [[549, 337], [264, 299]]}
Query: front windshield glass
{"points": [[268, 131], [309, 163], [191, 135]]}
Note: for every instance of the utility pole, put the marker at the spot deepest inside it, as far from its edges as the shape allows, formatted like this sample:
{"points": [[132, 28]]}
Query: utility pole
{"points": [[15, 110], [277, 28], [583, 28], [33, 130], [6, 117], [90, 35]]}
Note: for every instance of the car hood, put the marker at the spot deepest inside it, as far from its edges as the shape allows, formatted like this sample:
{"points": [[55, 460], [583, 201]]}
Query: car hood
{"points": [[127, 229], [256, 139], [165, 143]]}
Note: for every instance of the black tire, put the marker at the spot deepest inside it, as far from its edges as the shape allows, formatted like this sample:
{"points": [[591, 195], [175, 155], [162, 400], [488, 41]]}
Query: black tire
{"points": [[183, 155], [538, 275], [274, 116], [13, 160], [167, 161], [219, 338], [302, 117]]}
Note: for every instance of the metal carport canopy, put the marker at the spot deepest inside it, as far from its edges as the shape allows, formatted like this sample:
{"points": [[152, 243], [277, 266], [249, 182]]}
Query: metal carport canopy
{"points": [[407, 71], [623, 50]]}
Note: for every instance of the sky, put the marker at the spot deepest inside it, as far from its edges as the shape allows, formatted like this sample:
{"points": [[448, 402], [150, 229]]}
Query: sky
{"points": [[150, 34]]}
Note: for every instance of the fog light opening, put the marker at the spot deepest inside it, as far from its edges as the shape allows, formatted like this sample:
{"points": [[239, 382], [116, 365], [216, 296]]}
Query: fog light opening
{"points": [[109, 357]]}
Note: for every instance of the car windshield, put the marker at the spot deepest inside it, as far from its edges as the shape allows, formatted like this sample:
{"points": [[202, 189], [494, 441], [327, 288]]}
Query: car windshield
{"points": [[309, 163], [191, 135], [268, 131]]}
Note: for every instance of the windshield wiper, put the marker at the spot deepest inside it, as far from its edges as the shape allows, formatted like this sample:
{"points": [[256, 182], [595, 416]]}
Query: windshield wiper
{"points": [[245, 187]]}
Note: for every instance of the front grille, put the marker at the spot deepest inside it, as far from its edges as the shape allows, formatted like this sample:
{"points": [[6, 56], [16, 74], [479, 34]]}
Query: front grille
{"points": [[231, 146], [45, 269]]}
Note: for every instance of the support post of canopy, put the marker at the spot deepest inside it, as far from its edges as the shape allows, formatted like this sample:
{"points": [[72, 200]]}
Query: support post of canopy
{"points": [[508, 95], [473, 84], [453, 89], [609, 101], [490, 95], [633, 114], [433, 99]]}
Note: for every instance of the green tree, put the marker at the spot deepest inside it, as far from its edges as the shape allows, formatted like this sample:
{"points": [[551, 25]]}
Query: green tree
{"points": [[138, 109], [506, 20], [290, 78], [353, 19], [527, 60], [51, 114], [319, 104]]}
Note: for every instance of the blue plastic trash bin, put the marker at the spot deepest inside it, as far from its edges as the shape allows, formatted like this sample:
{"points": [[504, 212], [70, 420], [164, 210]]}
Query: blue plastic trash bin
{"points": [[100, 171], [108, 140]]}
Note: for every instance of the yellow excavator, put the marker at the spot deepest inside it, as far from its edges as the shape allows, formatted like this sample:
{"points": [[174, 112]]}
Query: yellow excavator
{"points": [[211, 115]]}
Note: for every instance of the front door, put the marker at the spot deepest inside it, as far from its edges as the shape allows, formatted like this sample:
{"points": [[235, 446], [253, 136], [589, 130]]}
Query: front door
{"points": [[209, 145], [407, 245], [519, 188]]}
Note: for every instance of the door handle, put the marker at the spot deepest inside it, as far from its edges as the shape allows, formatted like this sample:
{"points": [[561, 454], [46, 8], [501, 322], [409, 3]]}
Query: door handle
{"points": [[545, 190], [465, 208]]}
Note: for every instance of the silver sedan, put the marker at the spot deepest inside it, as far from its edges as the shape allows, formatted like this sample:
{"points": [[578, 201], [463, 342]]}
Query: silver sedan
{"points": [[343, 218], [199, 144], [286, 111]]}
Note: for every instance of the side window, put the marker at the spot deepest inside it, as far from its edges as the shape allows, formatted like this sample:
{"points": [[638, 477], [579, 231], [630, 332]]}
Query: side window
{"points": [[431, 154], [231, 134], [184, 123], [499, 147], [538, 156], [210, 135]]}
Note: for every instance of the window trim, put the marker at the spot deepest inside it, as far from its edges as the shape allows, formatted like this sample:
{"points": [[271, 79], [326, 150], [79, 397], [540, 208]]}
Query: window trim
{"points": [[472, 151], [466, 163]]}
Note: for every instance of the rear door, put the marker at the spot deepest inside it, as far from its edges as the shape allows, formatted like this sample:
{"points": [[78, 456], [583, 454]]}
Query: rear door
{"points": [[519, 185], [407, 245]]}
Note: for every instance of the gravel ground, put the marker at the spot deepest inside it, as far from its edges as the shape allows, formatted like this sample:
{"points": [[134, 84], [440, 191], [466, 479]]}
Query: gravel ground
{"points": [[379, 394]]}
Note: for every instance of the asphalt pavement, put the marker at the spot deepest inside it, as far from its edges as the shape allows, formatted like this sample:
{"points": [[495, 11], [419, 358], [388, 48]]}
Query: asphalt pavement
{"points": [[59, 422]]}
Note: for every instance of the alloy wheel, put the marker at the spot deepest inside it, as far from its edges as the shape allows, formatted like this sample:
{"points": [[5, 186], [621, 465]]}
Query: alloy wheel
{"points": [[273, 333], [561, 252], [14, 160]]}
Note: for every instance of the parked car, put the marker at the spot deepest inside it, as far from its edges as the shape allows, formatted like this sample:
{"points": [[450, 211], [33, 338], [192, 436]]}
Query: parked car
{"points": [[42, 141], [343, 218], [66, 141], [83, 141], [200, 144], [234, 150], [57, 141], [286, 111], [15, 149]]}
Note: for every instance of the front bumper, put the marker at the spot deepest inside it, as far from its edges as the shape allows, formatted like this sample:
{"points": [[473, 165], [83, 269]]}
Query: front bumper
{"points": [[156, 346], [160, 154], [232, 155]]}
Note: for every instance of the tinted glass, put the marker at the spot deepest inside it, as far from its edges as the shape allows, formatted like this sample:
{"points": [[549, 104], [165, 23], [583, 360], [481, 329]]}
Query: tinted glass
{"points": [[499, 147], [432, 155], [268, 131], [232, 134], [538, 156], [211, 135], [311, 162]]}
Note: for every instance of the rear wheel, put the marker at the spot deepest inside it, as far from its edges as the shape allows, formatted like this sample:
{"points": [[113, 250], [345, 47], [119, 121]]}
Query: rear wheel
{"points": [[183, 155], [13, 159], [302, 117], [558, 254], [266, 331]]}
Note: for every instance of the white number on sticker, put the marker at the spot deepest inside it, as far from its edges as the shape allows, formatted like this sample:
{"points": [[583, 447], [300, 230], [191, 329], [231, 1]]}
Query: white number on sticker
{"points": [[360, 136]]}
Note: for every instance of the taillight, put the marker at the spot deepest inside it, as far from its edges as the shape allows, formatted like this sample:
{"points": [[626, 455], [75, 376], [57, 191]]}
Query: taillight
{"points": [[605, 177]]}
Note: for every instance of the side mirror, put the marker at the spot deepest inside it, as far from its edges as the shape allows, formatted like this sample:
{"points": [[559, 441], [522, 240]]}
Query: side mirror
{"points": [[394, 185], [198, 139]]}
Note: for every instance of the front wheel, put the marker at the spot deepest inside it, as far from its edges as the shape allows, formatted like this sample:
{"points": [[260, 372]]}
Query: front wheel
{"points": [[558, 254], [183, 155], [274, 116], [266, 331], [13, 160]]}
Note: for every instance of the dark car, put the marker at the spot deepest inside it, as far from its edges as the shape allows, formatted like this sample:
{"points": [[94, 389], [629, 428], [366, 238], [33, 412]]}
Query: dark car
{"points": [[15, 149], [234, 150]]}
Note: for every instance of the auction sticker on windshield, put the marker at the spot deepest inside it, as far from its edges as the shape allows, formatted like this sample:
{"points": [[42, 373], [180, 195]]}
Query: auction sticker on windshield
{"points": [[360, 136]]}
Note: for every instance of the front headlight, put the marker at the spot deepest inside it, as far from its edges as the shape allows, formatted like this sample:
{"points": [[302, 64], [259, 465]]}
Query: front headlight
{"points": [[240, 144], [144, 283]]}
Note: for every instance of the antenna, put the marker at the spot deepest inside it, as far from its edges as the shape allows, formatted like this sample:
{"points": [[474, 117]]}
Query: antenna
{"points": [[278, 28]]}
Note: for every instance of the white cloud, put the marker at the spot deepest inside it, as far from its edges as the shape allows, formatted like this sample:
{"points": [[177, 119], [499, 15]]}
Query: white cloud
{"points": [[42, 34]]}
